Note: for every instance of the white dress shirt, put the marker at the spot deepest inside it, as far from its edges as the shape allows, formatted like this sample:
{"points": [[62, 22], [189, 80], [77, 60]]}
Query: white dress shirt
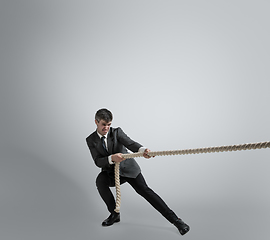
{"points": [[141, 149]]}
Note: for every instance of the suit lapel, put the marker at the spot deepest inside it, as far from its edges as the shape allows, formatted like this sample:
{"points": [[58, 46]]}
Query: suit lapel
{"points": [[110, 142]]}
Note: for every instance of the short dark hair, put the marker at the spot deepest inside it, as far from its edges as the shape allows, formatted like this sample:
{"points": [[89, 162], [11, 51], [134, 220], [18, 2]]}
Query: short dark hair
{"points": [[104, 114]]}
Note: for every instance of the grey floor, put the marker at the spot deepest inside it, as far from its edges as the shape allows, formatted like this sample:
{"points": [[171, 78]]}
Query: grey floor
{"points": [[39, 202]]}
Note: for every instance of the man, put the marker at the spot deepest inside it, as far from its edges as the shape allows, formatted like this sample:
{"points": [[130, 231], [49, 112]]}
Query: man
{"points": [[106, 145]]}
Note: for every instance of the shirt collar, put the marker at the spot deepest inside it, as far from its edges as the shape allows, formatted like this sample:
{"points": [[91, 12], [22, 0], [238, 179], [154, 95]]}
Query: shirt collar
{"points": [[101, 135]]}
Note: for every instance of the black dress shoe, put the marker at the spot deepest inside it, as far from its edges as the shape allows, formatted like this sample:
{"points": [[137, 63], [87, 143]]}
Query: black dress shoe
{"points": [[113, 218], [182, 227]]}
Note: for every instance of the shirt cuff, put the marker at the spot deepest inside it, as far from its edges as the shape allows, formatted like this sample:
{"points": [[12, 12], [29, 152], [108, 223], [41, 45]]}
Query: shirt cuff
{"points": [[142, 149], [110, 160]]}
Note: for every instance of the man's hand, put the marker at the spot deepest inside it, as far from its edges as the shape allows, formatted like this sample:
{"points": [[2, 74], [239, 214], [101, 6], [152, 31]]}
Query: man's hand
{"points": [[117, 157], [145, 154]]}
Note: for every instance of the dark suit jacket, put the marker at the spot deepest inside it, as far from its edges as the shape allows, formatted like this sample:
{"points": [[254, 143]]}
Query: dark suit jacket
{"points": [[117, 142]]}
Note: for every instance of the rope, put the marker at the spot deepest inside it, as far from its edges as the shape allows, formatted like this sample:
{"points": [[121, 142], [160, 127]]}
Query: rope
{"points": [[117, 186], [238, 147]]}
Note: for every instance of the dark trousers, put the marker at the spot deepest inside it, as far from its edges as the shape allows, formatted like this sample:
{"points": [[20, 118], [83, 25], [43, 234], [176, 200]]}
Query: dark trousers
{"points": [[104, 182]]}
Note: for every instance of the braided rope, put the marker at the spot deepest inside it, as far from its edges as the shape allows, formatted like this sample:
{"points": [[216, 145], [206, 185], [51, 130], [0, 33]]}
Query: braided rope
{"points": [[238, 147], [117, 186]]}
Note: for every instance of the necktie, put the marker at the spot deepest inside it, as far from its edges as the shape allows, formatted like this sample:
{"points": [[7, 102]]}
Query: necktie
{"points": [[103, 143]]}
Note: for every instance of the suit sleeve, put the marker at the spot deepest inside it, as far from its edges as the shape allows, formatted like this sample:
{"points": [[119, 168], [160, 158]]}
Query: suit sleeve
{"points": [[127, 142], [100, 160]]}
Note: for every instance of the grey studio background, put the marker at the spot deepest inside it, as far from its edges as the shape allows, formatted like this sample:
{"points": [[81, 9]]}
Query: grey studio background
{"points": [[176, 75]]}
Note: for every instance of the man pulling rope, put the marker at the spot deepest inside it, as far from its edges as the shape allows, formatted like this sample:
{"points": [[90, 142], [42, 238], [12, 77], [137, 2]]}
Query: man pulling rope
{"points": [[107, 146]]}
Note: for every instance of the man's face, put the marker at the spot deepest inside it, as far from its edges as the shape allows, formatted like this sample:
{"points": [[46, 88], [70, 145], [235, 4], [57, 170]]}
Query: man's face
{"points": [[103, 127]]}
